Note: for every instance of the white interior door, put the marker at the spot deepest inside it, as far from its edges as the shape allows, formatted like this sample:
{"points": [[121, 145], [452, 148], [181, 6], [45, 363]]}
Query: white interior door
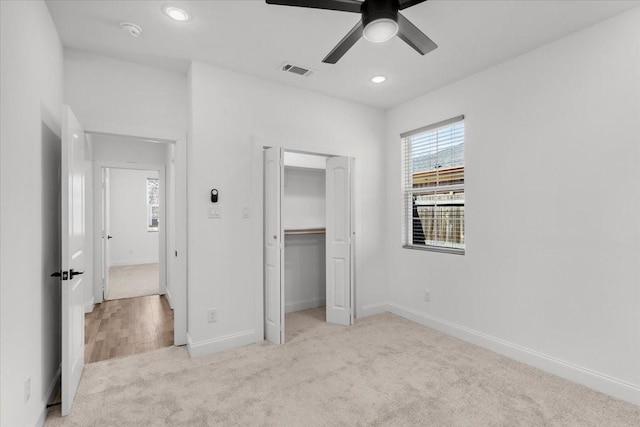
{"points": [[73, 253], [273, 246], [106, 232], [339, 254]]}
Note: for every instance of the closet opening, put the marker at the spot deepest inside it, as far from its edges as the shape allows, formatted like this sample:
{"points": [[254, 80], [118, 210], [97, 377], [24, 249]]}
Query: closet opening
{"points": [[308, 262]]}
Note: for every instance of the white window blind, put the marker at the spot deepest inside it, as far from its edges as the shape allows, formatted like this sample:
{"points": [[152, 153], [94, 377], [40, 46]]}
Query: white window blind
{"points": [[433, 187]]}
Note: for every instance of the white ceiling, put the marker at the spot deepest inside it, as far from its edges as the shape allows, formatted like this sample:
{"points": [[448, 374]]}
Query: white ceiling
{"points": [[254, 38]]}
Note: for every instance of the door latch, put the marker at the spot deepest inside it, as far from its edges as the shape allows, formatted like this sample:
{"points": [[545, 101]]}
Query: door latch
{"points": [[74, 273]]}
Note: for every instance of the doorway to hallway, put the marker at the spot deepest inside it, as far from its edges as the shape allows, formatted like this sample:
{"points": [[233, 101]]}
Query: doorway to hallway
{"points": [[131, 222], [123, 327]]}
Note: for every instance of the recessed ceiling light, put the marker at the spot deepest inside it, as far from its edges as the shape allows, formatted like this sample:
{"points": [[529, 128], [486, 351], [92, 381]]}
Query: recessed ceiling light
{"points": [[176, 13], [378, 79]]}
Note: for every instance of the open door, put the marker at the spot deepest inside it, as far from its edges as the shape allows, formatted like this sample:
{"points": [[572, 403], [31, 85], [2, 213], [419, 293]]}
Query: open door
{"points": [[73, 255], [340, 296], [273, 246], [106, 232]]}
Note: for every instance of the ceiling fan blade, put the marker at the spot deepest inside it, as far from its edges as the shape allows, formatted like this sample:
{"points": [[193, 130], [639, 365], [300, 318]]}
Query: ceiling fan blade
{"points": [[408, 3], [345, 44], [341, 5], [414, 37]]}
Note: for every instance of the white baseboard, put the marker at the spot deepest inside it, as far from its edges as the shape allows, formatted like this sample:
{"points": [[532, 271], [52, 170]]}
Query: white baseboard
{"points": [[371, 309], [304, 305], [592, 379], [49, 396], [125, 262], [216, 345], [88, 308], [168, 296]]}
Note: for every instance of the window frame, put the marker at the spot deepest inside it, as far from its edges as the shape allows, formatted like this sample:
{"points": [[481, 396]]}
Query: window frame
{"points": [[409, 191], [150, 206]]}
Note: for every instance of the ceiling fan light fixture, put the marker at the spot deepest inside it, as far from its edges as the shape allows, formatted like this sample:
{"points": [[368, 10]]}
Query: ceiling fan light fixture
{"points": [[380, 30]]}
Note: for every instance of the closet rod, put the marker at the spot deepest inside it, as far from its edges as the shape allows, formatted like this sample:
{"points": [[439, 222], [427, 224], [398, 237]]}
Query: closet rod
{"points": [[304, 231]]}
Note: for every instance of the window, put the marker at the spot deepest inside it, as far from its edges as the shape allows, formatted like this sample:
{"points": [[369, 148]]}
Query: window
{"points": [[153, 204], [433, 181]]}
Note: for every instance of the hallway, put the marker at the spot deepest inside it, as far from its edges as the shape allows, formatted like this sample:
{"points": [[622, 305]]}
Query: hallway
{"points": [[127, 326], [129, 281]]}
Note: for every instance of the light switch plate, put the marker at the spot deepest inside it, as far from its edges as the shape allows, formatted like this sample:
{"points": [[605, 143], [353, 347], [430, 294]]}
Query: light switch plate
{"points": [[215, 212]]}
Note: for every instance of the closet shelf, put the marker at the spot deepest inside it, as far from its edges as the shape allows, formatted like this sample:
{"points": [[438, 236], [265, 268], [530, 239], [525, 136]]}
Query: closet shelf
{"points": [[304, 231]]}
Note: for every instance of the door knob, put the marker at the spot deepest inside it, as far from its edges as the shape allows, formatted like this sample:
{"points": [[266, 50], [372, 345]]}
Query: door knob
{"points": [[56, 274], [74, 273], [109, 237]]}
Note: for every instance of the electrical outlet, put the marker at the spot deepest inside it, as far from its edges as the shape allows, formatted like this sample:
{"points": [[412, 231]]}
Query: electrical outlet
{"points": [[212, 315], [27, 389], [427, 295]]}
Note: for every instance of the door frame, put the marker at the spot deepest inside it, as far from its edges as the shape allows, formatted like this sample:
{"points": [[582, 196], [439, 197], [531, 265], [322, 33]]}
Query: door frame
{"points": [[258, 229], [99, 211], [176, 251]]}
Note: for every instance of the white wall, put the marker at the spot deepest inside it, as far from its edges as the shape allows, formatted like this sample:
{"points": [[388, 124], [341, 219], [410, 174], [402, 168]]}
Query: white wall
{"points": [[303, 200], [303, 207], [551, 270], [305, 282], [114, 96], [31, 67], [108, 148], [132, 243], [231, 115]]}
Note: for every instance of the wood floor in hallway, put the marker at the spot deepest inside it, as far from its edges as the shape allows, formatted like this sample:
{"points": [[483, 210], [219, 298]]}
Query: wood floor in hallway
{"points": [[127, 326]]}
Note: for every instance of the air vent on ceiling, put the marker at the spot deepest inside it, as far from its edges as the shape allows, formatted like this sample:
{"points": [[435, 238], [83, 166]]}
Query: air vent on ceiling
{"points": [[296, 69]]}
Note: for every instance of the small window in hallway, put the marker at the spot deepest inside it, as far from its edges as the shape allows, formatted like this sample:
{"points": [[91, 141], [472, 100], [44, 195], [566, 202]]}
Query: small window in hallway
{"points": [[153, 204]]}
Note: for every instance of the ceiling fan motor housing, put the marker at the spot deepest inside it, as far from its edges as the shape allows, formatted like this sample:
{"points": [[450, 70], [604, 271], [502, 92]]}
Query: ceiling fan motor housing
{"points": [[372, 10]]}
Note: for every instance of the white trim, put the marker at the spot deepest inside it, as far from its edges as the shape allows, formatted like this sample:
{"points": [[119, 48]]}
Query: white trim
{"points": [[98, 165], [216, 345], [88, 308], [371, 309], [167, 295], [304, 305], [257, 227], [587, 377], [49, 396]]}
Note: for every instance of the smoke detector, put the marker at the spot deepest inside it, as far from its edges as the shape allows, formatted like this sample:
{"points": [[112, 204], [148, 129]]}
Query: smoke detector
{"points": [[131, 28]]}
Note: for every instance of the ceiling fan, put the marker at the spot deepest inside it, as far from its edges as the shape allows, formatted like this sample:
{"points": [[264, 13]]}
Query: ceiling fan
{"points": [[381, 20]]}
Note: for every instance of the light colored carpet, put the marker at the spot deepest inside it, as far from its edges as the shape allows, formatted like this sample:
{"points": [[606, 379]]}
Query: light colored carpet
{"points": [[129, 281], [384, 370]]}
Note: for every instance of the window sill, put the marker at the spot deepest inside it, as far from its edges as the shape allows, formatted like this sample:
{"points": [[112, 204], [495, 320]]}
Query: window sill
{"points": [[454, 251]]}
